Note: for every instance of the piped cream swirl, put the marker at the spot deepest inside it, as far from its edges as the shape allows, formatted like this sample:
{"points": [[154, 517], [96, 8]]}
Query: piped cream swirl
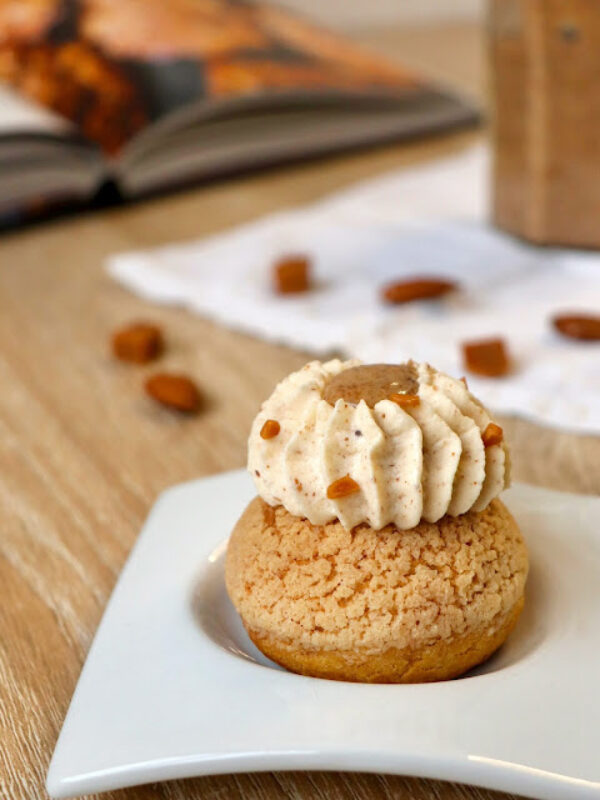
{"points": [[410, 463]]}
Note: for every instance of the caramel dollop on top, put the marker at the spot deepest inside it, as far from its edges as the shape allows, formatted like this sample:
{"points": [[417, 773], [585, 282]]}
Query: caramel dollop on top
{"points": [[372, 383]]}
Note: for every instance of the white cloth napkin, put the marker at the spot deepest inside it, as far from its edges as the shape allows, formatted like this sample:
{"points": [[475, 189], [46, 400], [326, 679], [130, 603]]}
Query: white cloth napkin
{"points": [[426, 220]]}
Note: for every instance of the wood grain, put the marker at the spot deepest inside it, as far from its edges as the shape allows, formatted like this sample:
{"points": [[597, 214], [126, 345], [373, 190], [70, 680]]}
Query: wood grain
{"points": [[83, 453], [547, 172]]}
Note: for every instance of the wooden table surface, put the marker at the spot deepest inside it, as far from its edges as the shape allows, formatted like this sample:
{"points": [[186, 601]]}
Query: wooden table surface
{"points": [[83, 454]]}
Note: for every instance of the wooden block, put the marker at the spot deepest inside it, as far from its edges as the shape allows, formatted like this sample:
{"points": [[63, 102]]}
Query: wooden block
{"points": [[546, 75]]}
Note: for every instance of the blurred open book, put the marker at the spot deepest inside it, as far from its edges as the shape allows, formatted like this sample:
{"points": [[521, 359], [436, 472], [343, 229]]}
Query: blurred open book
{"points": [[150, 93]]}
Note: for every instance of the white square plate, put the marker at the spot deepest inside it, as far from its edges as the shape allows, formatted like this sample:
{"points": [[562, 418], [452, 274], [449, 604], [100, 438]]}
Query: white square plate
{"points": [[173, 688]]}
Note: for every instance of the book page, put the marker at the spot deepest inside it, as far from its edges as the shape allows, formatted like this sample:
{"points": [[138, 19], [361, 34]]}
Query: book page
{"points": [[116, 68], [220, 144], [18, 114]]}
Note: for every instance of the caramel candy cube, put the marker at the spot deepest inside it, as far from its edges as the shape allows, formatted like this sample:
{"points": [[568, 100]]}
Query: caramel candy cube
{"points": [[291, 275], [493, 434], [342, 488], [138, 343], [488, 357], [405, 400], [270, 429]]}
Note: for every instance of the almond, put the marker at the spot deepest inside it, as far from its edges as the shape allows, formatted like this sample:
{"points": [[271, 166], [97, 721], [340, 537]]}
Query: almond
{"points": [[138, 343], [578, 326], [416, 289], [174, 391]]}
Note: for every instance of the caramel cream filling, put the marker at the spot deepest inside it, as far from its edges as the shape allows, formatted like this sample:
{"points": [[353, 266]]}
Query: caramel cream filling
{"points": [[411, 462]]}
